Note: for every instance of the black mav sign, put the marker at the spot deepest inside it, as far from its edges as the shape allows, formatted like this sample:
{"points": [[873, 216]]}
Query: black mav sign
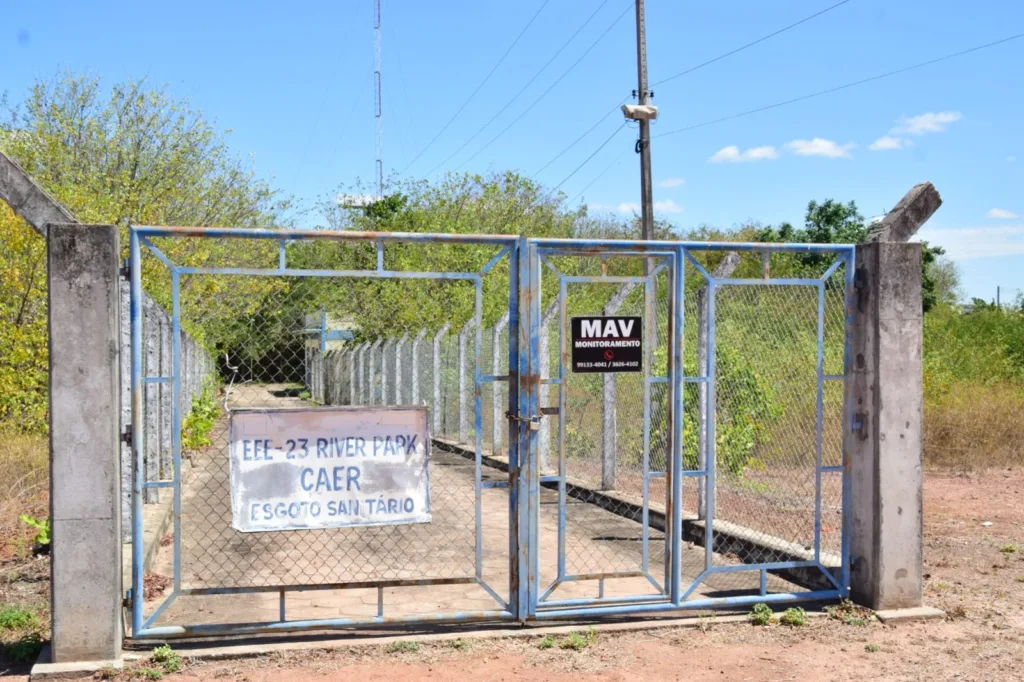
{"points": [[607, 344]]}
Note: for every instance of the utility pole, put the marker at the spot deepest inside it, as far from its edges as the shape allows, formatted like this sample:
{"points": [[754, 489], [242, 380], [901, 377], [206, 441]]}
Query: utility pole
{"points": [[643, 145], [378, 102]]}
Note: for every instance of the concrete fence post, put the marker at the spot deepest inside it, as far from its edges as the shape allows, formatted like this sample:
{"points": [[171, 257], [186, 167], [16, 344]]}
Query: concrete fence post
{"points": [[497, 389], [609, 403], [384, 364], [437, 408], [544, 358], [150, 406], [884, 427], [362, 396], [463, 382], [399, 346], [85, 428], [373, 382], [723, 270], [415, 369]]}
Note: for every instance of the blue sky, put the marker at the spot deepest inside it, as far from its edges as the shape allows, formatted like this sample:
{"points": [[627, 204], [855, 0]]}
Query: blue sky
{"points": [[293, 83]]}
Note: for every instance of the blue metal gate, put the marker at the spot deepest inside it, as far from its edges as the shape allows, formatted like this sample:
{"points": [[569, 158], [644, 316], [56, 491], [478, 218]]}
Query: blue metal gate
{"points": [[713, 477]]}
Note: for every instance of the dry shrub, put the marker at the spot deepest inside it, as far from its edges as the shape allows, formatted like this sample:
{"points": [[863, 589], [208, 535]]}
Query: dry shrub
{"points": [[24, 488], [975, 426]]}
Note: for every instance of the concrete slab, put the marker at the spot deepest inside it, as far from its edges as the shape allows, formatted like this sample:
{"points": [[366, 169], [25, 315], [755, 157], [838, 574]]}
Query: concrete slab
{"points": [[894, 616], [44, 669], [248, 649]]}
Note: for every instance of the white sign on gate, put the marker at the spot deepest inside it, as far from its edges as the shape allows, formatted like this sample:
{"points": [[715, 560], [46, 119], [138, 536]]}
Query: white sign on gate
{"points": [[331, 467]]}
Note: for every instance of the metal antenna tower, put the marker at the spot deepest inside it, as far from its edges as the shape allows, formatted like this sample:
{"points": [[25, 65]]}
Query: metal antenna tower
{"points": [[378, 101]]}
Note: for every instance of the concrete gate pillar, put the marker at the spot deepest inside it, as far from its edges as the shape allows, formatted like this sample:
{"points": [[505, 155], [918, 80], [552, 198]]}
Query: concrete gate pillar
{"points": [[885, 430], [85, 476]]}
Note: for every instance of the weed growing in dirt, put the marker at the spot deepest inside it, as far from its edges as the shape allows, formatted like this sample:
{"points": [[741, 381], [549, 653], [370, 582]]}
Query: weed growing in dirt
{"points": [[167, 658], [578, 641], [956, 612], [402, 647], [794, 617], [106, 674], [872, 648], [1008, 549], [460, 644], [762, 615], [41, 540], [849, 613], [1020, 578], [146, 674], [17, 618], [547, 642], [195, 431]]}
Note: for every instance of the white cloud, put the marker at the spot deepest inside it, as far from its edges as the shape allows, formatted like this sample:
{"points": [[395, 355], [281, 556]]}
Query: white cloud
{"points": [[1001, 214], [926, 123], [668, 206], [355, 200], [732, 154], [671, 183], [629, 207], [969, 243], [819, 146], [886, 142]]}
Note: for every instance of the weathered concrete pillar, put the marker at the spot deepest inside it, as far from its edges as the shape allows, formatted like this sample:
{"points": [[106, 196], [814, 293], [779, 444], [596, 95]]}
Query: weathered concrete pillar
{"points": [[609, 403], [884, 432], [85, 427], [464, 382]]}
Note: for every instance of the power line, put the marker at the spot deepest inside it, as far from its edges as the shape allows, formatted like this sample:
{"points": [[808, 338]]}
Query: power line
{"points": [[478, 87], [554, 189], [841, 87], [600, 175], [550, 87], [523, 89], [748, 45], [691, 70], [601, 120]]}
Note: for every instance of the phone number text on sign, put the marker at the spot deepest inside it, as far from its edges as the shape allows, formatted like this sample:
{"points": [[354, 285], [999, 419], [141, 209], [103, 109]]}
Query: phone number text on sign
{"points": [[294, 469]]}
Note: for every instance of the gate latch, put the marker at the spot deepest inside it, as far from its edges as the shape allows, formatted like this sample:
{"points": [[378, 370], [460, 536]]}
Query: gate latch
{"points": [[534, 421]]}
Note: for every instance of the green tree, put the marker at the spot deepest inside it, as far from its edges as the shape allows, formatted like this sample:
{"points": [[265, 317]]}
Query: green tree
{"points": [[127, 153]]}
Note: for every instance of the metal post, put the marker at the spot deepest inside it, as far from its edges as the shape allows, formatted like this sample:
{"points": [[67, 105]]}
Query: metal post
{"points": [[644, 143]]}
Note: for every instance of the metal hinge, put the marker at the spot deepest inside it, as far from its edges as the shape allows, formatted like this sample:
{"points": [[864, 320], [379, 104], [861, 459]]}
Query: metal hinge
{"points": [[125, 271], [127, 601], [126, 436], [534, 421]]}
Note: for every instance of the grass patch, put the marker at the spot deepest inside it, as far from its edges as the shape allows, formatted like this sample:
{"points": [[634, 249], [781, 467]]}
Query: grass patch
{"points": [[195, 430], [578, 641], [547, 642], [24, 489], [460, 644], [1008, 549], [872, 648], [974, 426], [402, 647], [761, 615]]}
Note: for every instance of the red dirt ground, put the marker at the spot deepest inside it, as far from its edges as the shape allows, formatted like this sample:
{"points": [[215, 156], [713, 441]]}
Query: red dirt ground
{"points": [[974, 571]]}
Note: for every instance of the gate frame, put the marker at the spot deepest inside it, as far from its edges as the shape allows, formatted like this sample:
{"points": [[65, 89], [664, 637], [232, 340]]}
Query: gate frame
{"points": [[510, 246], [681, 252]]}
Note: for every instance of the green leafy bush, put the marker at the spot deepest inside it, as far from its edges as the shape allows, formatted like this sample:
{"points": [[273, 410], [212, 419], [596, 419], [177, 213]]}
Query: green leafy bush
{"points": [[761, 614]]}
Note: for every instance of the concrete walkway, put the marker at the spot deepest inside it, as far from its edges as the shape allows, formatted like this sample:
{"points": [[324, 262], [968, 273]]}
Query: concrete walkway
{"points": [[215, 555]]}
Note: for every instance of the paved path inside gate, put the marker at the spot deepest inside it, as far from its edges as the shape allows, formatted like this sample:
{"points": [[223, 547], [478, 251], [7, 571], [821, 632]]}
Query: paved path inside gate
{"points": [[216, 556]]}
